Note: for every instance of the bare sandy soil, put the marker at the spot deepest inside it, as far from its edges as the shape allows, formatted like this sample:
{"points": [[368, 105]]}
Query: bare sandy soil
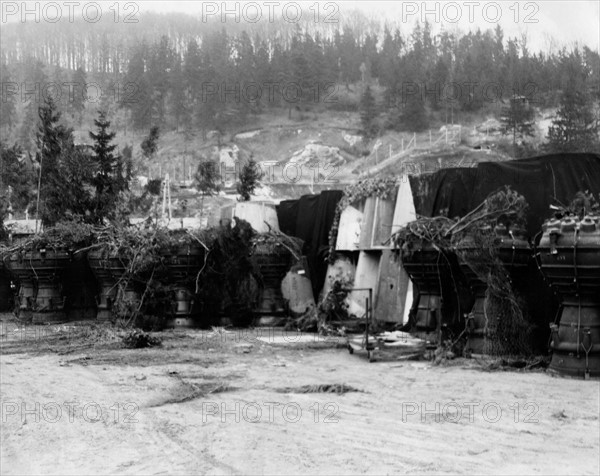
{"points": [[75, 402]]}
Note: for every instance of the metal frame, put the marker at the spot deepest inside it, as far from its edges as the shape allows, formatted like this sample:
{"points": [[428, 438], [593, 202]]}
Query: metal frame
{"points": [[368, 318]]}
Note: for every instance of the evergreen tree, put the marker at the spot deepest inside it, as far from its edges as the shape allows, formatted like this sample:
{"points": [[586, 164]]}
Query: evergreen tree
{"points": [[218, 109], [318, 66], [350, 57], [246, 73], [192, 74], [158, 72], [388, 56], [7, 101], [28, 124], [77, 101], [208, 180], [300, 76], [368, 113], [413, 116], [575, 127], [592, 59], [411, 112], [65, 171], [60, 97], [111, 174], [371, 56], [249, 177], [127, 155], [36, 79], [14, 173], [107, 103], [330, 62], [263, 71], [517, 119], [178, 101], [137, 93], [150, 143]]}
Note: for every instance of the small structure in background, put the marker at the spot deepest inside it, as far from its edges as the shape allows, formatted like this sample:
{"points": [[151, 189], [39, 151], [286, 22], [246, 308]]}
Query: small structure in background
{"points": [[19, 229]]}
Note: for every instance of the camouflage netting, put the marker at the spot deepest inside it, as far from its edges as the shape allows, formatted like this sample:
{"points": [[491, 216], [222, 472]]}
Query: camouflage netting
{"points": [[506, 330]]}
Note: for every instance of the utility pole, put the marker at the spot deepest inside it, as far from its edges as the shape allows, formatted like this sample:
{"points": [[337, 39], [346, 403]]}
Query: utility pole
{"points": [[37, 207], [166, 205]]}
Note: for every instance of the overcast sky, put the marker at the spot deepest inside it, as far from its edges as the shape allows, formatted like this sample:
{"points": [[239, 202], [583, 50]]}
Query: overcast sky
{"points": [[567, 21]]}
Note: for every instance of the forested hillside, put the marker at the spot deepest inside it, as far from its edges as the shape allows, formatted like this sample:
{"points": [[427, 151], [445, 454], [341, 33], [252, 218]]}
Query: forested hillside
{"points": [[348, 99], [176, 72]]}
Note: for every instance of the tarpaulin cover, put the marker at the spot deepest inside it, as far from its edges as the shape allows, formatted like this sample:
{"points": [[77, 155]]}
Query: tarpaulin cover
{"points": [[543, 181], [287, 214], [314, 218], [448, 188], [546, 180]]}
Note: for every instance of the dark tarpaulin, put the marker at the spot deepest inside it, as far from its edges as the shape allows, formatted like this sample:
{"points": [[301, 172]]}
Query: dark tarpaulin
{"points": [[314, 218], [305, 219], [287, 215], [328, 201], [543, 181], [448, 188]]}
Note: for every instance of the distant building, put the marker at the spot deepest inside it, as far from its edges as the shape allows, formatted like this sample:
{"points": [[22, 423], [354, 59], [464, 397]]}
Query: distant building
{"points": [[18, 229]]}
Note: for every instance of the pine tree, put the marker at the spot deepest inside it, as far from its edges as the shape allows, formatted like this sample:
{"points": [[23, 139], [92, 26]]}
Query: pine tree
{"points": [[111, 174], [77, 101], [192, 74], [28, 124], [208, 180], [218, 110], [59, 77], [413, 116], [136, 93], [36, 79], [412, 113], [263, 71], [142, 104], [150, 143], [249, 177], [350, 57], [15, 173], [246, 72], [388, 57], [371, 56], [517, 119], [7, 102], [158, 72], [368, 113], [300, 74], [575, 127], [208, 177], [177, 98], [65, 171]]}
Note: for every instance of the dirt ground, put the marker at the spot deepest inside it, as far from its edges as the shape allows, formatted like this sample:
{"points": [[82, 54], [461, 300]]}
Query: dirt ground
{"points": [[74, 401]]}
